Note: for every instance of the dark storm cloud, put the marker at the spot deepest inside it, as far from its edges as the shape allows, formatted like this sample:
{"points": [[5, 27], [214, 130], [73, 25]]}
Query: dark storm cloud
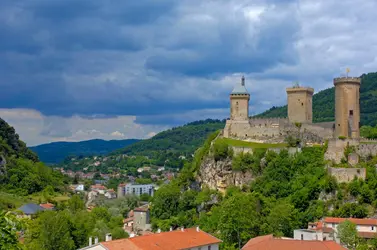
{"points": [[133, 57]]}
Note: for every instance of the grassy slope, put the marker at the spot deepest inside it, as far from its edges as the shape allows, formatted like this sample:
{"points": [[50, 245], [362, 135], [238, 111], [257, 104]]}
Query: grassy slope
{"points": [[238, 143], [324, 103]]}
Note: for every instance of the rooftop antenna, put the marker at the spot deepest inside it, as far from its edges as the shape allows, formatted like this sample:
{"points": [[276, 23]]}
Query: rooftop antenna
{"points": [[296, 84], [347, 71], [243, 81]]}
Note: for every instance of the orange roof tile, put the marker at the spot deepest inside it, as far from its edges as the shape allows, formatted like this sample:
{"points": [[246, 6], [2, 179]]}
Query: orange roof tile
{"points": [[173, 240], [268, 242], [353, 220], [47, 205], [122, 244]]}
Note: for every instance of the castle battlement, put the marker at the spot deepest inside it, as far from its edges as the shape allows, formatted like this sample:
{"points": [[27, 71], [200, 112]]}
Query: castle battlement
{"points": [[356, 80], [300, 89]]}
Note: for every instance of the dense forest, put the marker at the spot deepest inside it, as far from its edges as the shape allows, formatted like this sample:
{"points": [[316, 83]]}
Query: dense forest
{"points": [[324, 103], [183, 140]]}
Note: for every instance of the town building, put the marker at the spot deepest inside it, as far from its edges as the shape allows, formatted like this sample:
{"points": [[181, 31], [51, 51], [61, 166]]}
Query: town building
{"points": [[110, 194], [141, 219], [269, 242], [98, 188], [326, 229], [135, 189], [181, 239]]}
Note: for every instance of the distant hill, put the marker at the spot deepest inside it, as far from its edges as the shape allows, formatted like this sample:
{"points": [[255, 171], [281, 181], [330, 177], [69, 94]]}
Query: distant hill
{"points": [[56, 152], [182, 140], [324, 103]]}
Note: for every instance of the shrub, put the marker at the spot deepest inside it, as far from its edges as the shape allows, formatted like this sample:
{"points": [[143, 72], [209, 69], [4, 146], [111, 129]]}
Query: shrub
{"points": [[342, 137], [221, 150], [292, 141]]}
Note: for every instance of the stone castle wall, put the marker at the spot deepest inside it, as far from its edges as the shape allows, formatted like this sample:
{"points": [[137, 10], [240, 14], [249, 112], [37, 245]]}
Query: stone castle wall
{"points": [[347, 174], [300, 104]]}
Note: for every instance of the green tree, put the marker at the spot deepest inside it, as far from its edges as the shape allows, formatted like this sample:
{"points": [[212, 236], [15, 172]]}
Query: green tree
{"points": [[347, 233], [238, 219], [51, 231], [165, 202], [75, 204], [8, 226]]}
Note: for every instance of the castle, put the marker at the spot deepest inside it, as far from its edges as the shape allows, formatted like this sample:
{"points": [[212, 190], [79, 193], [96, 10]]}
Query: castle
{"points": [[300, 115]]}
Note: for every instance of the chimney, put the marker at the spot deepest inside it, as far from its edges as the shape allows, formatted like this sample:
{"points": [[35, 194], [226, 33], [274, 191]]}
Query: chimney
{"points": [[197, 229], [182, 229], [108, 237], [158, 231], [171, 229], [96, 240], [90, 241]]}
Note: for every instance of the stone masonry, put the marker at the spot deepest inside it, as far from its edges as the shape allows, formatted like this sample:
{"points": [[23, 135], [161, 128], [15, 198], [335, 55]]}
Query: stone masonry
{"points": [[300, 104]]}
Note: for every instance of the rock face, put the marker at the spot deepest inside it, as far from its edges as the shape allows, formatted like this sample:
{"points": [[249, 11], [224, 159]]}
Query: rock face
{"points": [[219, 175]]}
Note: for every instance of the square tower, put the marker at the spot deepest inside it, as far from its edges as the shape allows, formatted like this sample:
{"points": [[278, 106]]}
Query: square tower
{"points": [[239, 102], [347, 107], [299, 102]]}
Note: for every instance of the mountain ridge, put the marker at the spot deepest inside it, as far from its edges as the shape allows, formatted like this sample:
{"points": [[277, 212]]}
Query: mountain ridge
{"points": [[55, 152]]}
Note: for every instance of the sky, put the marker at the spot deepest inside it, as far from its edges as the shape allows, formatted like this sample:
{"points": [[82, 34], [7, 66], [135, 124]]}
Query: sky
{"points": [[112, 69]]}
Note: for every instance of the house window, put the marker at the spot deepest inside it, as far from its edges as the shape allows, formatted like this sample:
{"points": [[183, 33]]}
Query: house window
{"points": [[199, 248], [209, 247], [302, 237], [372, 228]]}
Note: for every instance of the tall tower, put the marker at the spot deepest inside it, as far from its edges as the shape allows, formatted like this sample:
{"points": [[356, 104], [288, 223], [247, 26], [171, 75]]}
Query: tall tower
{"points": [[300, 107], [239, 102], [347, 107]]}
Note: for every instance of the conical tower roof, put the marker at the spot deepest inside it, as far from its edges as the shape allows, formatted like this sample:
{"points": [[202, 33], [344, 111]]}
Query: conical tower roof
{"points": [[240, 88]]}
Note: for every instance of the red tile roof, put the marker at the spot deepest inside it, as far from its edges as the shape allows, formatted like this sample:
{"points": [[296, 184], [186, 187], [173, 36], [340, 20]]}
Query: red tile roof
{"points": [[47, 205], [268, 242], [366, 222], [128, 219], [173, 240]]}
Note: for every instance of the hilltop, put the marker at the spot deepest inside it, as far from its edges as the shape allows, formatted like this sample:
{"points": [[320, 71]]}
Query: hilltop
{"points": [[183, 140], [324, 103], [56, 152]]}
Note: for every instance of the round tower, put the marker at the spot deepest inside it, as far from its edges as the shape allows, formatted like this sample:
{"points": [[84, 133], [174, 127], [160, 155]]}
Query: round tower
{"points": [[347, 107], [239, 102], [300, 104]]}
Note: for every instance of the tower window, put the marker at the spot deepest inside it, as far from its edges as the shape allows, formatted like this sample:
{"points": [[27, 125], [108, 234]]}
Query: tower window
{"points": [[351, 112], [338, 124], [302, 104]]}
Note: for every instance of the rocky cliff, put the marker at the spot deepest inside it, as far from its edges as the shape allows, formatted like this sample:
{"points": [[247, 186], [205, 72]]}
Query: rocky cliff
{"points": [[219, 174]]}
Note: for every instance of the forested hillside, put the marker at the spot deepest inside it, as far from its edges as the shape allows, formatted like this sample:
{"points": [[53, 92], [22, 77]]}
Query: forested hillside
{"points": [[183, 140], [324, 103], [56, 152], [287, 192], [21, 172]]}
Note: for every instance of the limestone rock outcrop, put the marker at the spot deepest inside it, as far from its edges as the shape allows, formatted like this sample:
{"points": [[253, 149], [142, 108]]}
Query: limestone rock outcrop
{"points": [[219, 175]]}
